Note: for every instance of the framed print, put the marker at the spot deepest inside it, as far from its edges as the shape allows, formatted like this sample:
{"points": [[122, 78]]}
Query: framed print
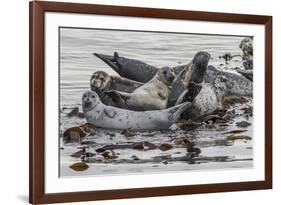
{"points": [[138, 102]]}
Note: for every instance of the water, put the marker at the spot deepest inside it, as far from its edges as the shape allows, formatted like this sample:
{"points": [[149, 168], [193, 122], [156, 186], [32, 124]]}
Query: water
{"points": [[159, 49]]}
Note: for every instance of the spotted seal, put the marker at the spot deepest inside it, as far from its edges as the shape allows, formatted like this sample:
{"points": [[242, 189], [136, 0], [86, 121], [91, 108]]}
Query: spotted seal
{"points": [[151, 96], [104, 116], [208, 100], [101, 82], [246, 46]]}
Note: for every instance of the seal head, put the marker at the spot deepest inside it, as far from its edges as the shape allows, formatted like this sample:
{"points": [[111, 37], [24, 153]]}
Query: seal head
{"points": [[166, 75], [246, 46], [200, 62], [90, 100], [100, 81]]}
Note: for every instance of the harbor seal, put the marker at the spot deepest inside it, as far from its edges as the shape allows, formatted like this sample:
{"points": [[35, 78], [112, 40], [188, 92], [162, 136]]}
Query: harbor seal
{"points": [[246, 46], [101, 82], [208, 100], [151, 96], [104, 116], [193, 72], [129, 68], [241, 85]]}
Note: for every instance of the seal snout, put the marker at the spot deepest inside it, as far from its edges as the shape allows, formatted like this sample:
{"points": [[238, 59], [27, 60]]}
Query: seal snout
{"points": [[87, 104], [171, 77]]}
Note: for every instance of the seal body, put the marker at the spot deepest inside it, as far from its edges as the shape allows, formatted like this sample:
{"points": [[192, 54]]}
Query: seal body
{"points": [[208, 100], [240, 85], [104, 116], [151, 96], [101, 82]]}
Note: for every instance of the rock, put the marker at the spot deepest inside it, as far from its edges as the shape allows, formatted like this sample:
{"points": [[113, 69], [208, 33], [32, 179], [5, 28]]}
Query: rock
{"points": [[79, 166], [238, 137], [165, 147], [73, 135], [243, 124]]}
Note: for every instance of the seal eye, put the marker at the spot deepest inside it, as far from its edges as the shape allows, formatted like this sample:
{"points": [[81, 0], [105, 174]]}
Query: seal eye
{"points": [[164, 72], [84, 95], [93, 96]]}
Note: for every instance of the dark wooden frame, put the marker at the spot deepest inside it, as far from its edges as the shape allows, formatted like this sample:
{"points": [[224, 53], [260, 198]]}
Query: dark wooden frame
{"points": [[37, 95]]}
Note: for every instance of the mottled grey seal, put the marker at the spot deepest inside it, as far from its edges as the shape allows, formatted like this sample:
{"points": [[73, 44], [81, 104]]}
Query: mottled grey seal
{"points": [[241, 85], [101, 82], [246, 73], [101, 115], [208, 100], [246, 46], [151, 96], [193, 72]]}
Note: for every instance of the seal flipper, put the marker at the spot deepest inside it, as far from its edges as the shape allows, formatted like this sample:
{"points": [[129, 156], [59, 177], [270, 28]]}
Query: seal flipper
{"points": [[176, 111], [110, 112], [125, 84], [109, 60], [119, 98], [193, 90]]}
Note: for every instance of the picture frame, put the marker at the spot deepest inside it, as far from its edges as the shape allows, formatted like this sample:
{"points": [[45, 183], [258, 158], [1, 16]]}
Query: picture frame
{"points": [[38, 97]]}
